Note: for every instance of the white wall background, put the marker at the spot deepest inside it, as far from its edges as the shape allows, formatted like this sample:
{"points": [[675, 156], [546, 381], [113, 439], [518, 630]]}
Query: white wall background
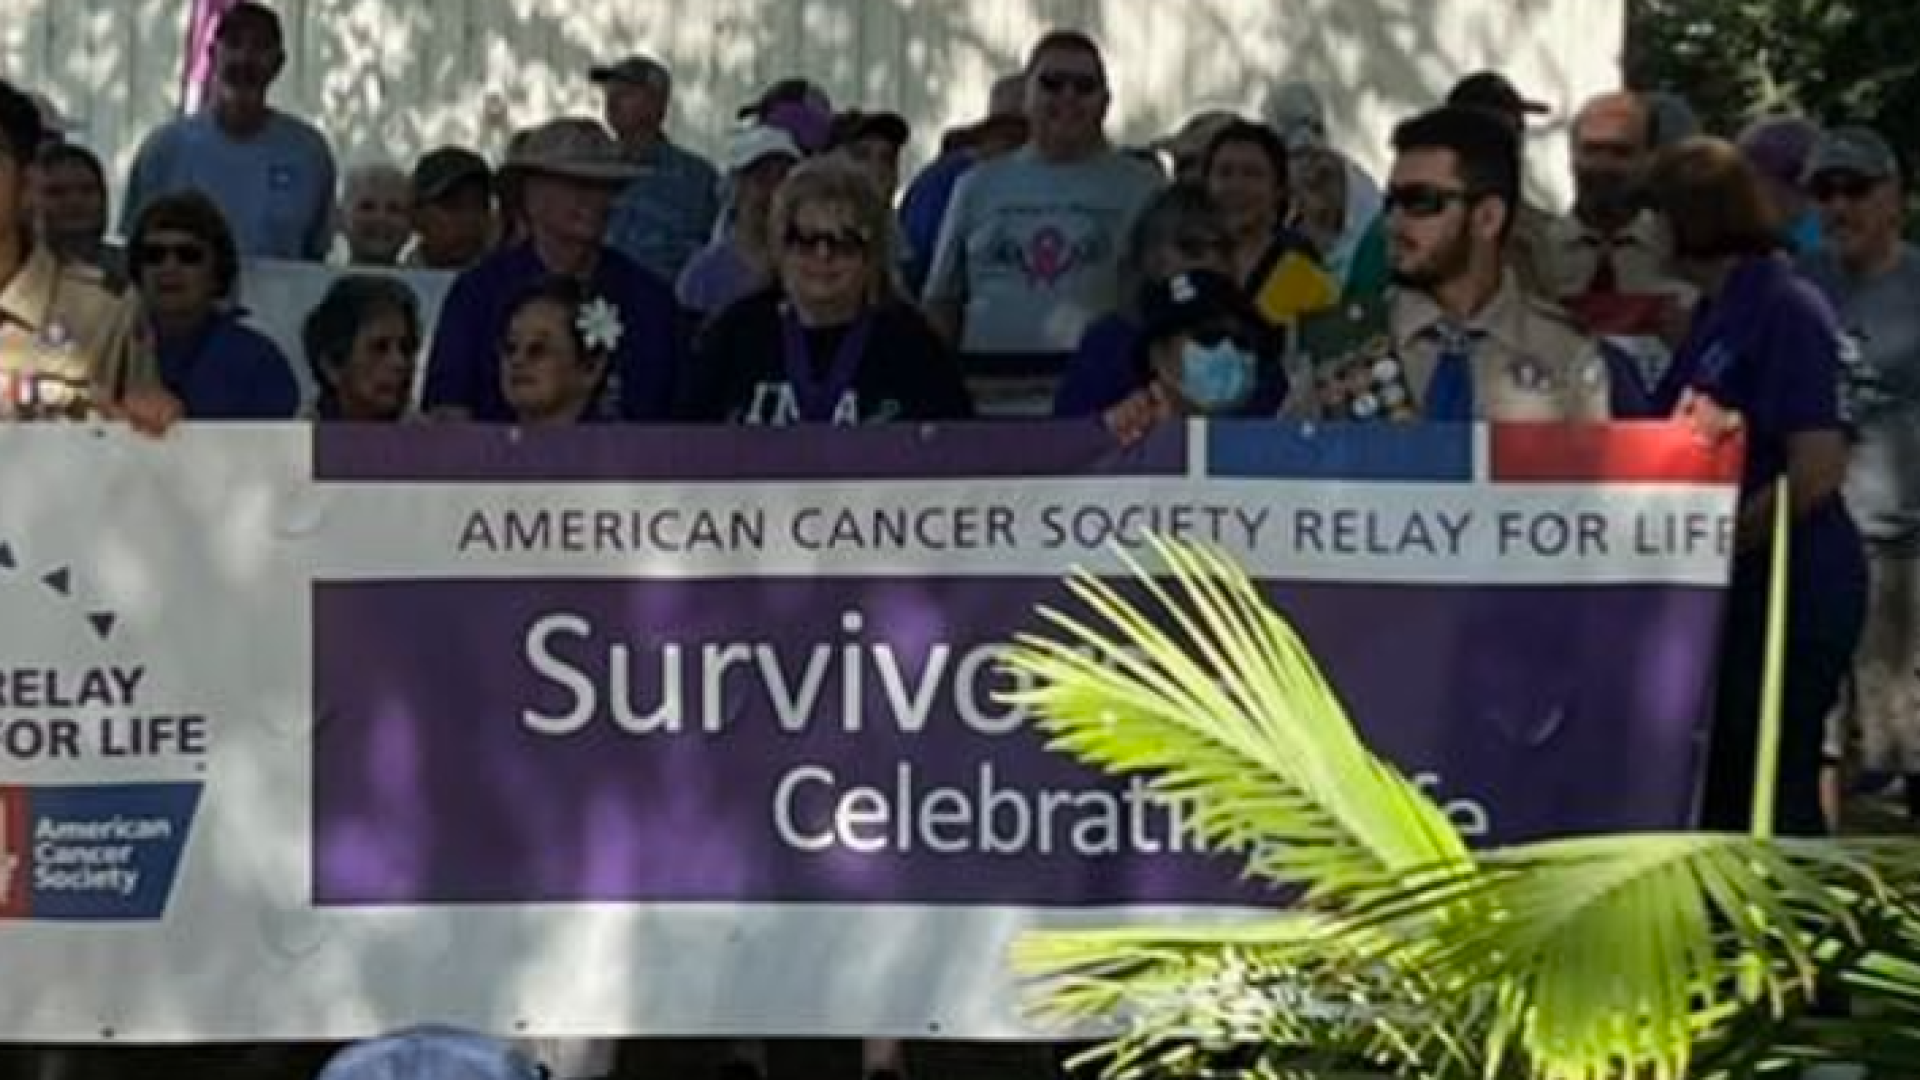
{"points": [[391, 77]]}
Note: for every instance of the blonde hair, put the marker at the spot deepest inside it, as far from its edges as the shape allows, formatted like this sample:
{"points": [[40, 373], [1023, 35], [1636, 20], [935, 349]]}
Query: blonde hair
{"points": [[831, 181]]}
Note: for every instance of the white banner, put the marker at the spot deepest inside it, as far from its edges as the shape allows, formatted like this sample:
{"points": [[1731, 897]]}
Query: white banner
{"points": [[279, 760]]}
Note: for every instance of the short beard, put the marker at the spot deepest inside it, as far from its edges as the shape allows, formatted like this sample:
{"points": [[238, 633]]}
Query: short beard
{"points": [[1449, 262]]}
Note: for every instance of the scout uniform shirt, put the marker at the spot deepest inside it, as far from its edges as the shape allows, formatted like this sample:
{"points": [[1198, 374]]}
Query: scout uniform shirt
{"points": [[1621, 288], [1373, 360], [65, 341]]}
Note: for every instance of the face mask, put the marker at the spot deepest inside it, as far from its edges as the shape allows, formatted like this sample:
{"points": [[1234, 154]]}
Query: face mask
{"points": [[1215, 378]]}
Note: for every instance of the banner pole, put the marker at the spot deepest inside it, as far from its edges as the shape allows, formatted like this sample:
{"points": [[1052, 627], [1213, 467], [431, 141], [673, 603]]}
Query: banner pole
{"points": [[1766, 767]]}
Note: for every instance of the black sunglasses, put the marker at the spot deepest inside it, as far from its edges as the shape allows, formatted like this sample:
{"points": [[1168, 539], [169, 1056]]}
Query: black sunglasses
{"points": [[845, 244], [150, 253], [1850, 188], [1423, 200], [1059, 82]]}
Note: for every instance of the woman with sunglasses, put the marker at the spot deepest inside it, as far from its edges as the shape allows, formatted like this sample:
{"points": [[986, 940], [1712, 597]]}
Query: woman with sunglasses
{"points": [[1181, 230], [831, 343], [185, 265], [1764, 343]]}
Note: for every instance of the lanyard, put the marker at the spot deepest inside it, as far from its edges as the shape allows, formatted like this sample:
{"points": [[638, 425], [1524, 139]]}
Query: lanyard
{"points": [[819, 397]]}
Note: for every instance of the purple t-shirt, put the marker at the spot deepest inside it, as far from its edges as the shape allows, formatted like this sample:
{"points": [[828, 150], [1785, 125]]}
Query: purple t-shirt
{"points": [[1768, 346], [464, 367], [716, 278]]}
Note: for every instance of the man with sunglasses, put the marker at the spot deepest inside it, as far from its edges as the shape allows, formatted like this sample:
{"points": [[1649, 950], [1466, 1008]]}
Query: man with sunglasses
{"points": [[1029, 252], [1871, 275], [1457, 339]]}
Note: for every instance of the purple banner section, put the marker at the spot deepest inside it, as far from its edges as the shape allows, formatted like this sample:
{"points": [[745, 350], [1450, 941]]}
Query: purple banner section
{"points": [[836, 740], [474, 453]]}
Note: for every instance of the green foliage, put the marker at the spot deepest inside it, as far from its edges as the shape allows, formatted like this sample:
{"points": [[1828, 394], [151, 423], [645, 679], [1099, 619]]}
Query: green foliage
{"points": [[1836, 61], [1656, 956]]}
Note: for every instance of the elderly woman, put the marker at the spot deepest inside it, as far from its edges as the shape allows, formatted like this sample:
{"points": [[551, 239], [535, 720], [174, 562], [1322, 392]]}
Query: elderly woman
{"points": [[1763, 343], [363, 345], [376, 213], [832, 342], [555, 352], [184, 265]]}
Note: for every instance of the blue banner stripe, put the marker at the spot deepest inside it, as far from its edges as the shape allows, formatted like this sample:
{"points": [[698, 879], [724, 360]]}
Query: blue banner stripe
{"points": [[1432, 453]]}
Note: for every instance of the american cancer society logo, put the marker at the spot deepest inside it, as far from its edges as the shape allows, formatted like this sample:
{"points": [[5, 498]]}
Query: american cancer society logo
{"points": [[94, 852]]}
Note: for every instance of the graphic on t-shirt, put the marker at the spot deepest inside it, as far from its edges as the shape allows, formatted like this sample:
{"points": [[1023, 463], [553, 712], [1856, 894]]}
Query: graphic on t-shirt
{"points": [[1045, 249], [774, 404]]}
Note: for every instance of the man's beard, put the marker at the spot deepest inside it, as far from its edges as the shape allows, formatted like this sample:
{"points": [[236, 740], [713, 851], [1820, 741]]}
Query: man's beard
{"points": [[1603, 197], [1448, 262]]}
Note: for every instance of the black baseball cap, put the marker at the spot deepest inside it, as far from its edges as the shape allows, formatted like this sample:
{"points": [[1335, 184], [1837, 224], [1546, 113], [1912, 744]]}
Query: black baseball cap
{"points": [[248, 11], [1191, 301], [1494, 91], [439, 172], [851, 127]]}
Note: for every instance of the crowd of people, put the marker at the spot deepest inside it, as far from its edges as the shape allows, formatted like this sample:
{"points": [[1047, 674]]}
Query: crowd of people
{"points": [[1243, 266]]}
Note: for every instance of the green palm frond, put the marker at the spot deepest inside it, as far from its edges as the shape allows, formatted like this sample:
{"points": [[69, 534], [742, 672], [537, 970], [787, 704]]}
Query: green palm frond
{"points": [[1233, 721], [1637, 949], [1654, 955], [1268, 993]]}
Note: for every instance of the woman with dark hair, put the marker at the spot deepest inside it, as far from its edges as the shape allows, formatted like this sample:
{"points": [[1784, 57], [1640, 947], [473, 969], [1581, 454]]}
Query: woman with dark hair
{"points": [[363, 345], [555, 352], [184, 265], [1763, 343], [1245, 170]]}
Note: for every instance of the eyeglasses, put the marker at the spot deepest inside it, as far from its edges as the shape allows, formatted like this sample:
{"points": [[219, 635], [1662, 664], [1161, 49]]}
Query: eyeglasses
{"points": [[1059, 82], [150, 253], [844, 244], [1423, 200], [1828, 189]]}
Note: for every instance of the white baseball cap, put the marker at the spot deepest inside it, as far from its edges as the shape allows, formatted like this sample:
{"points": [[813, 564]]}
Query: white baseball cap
{"points": [[758, 143], [1297, 113]]}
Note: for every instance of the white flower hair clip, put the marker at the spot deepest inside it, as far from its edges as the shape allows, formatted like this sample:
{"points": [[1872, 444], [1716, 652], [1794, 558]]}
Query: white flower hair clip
{"points": [[599, 325]]}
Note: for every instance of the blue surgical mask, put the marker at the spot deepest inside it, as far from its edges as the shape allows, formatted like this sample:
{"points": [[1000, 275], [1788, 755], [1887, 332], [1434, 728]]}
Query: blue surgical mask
{"points": [[1216, 378]]}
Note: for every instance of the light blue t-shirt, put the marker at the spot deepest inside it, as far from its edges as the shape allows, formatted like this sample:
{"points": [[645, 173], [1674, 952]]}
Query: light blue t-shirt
{"points": [[1880, 320], [1031, 249], [663, 218], [276, 188]]}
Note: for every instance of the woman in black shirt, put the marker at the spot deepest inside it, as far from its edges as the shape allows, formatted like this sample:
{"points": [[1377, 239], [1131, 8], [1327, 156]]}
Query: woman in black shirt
{"points": [[832, 342]]}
